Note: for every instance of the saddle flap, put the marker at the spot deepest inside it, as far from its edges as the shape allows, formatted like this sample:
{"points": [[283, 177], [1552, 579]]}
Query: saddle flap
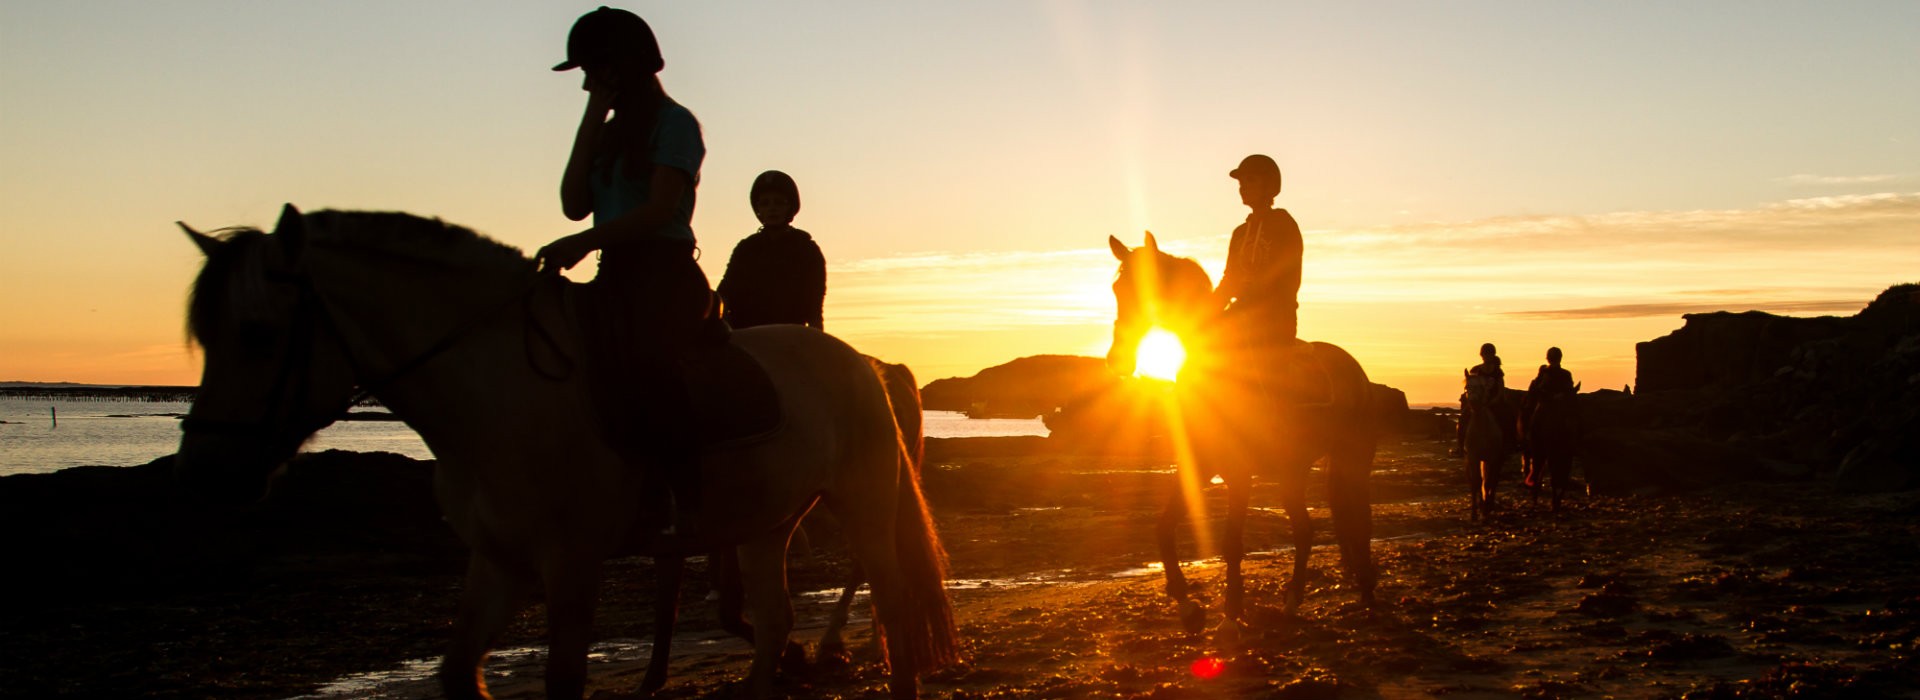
{"points": [[733, 399]]}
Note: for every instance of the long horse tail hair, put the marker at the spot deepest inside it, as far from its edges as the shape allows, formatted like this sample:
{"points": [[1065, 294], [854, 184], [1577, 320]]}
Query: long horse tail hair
{"points": [[929, 637], [903, 392]]}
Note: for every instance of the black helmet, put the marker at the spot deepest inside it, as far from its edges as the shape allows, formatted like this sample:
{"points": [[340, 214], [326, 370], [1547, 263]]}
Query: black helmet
{"points": [[608, 35]]}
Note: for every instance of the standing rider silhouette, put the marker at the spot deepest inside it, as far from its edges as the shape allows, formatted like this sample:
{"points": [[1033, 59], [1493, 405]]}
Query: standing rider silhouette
{"points": [[1261, 286]]}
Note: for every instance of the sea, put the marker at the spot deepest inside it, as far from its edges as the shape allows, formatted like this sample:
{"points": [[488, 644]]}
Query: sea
{"points": [[39, 435]]}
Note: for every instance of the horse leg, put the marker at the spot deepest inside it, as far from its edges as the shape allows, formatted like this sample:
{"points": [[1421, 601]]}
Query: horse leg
{"points": [[1233, 550], [1348, 473], [725, 563], [573, 590], [887, 584], [1561, 470], [1473, 487], [1192, 618], [668, 571], [1489, 473], [831, 643], [490, 597], [1293, 495], [763, 571]]}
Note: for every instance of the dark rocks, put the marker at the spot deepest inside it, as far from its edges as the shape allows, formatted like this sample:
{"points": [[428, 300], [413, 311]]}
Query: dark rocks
{"points": [[1746, 396]]}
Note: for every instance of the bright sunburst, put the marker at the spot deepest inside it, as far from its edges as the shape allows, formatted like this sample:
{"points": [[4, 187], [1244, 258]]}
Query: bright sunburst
{"points": [[1161, 355]]}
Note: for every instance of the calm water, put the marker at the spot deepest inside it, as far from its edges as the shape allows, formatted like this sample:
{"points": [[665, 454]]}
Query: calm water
{"points": [[128, 433]]}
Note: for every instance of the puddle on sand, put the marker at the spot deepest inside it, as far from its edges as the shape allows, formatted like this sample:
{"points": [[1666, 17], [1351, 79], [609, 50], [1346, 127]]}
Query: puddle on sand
{"points": [[415, 678]]}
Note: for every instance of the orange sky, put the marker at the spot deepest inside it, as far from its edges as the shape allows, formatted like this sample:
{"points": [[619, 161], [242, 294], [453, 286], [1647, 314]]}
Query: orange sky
{"points": [[1527, 175]]}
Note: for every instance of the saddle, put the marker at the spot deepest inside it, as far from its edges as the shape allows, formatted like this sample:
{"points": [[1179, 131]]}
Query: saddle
{"points": [[1295, 376], [732, 399]]}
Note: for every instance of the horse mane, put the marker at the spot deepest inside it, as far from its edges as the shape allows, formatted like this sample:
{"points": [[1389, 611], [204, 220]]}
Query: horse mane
{"points": [[400, 234], [235, 271]]}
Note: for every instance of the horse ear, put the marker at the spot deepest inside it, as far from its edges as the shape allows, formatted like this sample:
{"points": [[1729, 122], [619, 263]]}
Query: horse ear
{"points": [[1152, 245], [1119, 249], [291, 230], [1576, 387], [206, 243]]}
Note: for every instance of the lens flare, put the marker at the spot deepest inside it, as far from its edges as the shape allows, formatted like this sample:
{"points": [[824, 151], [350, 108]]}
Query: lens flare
{"points": [[1208, 667], [1160, 355]]}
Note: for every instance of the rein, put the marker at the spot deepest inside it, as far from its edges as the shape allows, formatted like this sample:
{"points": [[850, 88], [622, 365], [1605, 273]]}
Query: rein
{"points": [[311, 299]]}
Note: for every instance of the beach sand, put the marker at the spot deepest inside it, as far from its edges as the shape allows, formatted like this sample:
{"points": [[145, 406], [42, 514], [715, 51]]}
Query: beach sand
{"points": [[1748, 590]]}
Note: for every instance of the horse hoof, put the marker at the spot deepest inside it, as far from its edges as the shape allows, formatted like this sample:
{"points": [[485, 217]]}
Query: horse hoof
{"points": [[832, 655], [1295, 596], [1227, 633], [794, 661], [1192, 617]]}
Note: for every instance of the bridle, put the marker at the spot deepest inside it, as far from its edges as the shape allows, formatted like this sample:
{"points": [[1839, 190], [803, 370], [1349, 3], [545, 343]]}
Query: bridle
{"points": [[293, 388]]}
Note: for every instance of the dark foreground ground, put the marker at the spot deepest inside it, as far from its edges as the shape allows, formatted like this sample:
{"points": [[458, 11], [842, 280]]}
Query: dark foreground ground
{"points": [[1755, 590]]}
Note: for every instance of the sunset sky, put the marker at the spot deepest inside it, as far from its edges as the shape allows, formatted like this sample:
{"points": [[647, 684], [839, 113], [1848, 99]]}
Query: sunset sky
{"points": [[1526, 173]]}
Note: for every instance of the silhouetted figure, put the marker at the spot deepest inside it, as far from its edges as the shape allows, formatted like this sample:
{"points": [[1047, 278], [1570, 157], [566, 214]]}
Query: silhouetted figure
{"points": [[1552, 379], [1550, 425], [1261, 285], [1487, 373], [776, 275], [635, 173]]}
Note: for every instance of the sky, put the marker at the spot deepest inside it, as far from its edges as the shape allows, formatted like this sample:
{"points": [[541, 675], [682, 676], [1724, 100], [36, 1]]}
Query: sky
{"points": [[1523, 173]]}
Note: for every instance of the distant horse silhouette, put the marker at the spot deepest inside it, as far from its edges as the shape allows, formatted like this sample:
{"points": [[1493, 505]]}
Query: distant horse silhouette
{"points": [[1550, 430], [1489, 411], [429, 318], [1237, 427]]}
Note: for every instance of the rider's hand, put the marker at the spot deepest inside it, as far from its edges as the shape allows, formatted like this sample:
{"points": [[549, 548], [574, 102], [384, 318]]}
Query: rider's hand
{"points": [[564, 253], [600, 96]]}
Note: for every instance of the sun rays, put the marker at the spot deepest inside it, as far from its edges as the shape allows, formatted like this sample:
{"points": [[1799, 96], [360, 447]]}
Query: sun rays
{"points": [[1161, 355]]}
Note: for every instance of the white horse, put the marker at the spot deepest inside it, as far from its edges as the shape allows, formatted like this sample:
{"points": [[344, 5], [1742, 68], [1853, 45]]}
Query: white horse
{"points": [[431, 319]]}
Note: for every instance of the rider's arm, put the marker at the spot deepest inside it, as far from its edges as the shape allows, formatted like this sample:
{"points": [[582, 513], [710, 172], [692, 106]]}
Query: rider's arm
{"points": [[576, 188]]}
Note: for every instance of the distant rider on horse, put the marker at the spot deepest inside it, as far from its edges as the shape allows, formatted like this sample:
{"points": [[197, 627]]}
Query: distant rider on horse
{"points": [[1484, 379], [1552, 379], [1261, 286]]}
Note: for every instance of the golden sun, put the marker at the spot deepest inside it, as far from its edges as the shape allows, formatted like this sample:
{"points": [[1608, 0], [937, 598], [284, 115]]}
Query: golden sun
{"points": [[1160, 355]]}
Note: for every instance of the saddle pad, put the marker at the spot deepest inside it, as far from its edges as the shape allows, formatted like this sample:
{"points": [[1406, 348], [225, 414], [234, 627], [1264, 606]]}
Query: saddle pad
{"points": [[1311, 383], [734, 401]]}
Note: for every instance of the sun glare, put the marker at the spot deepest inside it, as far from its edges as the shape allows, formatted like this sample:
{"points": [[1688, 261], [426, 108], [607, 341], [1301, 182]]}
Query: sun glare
{"points": [[1161, 355]]}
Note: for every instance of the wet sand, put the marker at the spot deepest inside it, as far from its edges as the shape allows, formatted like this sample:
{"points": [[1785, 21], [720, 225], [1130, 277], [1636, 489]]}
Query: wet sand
{"points": [[1754, 590]]}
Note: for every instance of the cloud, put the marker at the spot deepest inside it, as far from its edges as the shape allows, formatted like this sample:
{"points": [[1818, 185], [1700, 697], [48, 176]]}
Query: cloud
{"points": [[1807, 180], [1794, 256], [1848, 306]]}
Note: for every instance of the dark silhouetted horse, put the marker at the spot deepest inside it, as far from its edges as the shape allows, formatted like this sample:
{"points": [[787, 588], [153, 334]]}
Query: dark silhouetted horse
{"points": [[1550, 430], [1235, 426]]}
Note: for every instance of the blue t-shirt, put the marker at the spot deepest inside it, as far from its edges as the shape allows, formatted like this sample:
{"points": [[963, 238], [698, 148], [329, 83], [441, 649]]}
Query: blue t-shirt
{"points": [[676, 143]]}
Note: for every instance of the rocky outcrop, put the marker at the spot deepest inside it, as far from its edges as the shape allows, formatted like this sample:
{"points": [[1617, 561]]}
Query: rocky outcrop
{"points": [[113, 532], [1024, 388], [1796, 396]]}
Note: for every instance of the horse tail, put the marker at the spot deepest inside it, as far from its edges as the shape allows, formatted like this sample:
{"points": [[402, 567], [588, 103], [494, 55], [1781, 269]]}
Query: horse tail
{"points": [[928, 636], [903, 393]]}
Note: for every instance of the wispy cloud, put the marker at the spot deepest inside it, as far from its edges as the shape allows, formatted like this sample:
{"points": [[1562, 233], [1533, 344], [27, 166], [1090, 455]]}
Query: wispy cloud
{"points": [[1409, 298], [1674, 309], [1809, 180]]}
